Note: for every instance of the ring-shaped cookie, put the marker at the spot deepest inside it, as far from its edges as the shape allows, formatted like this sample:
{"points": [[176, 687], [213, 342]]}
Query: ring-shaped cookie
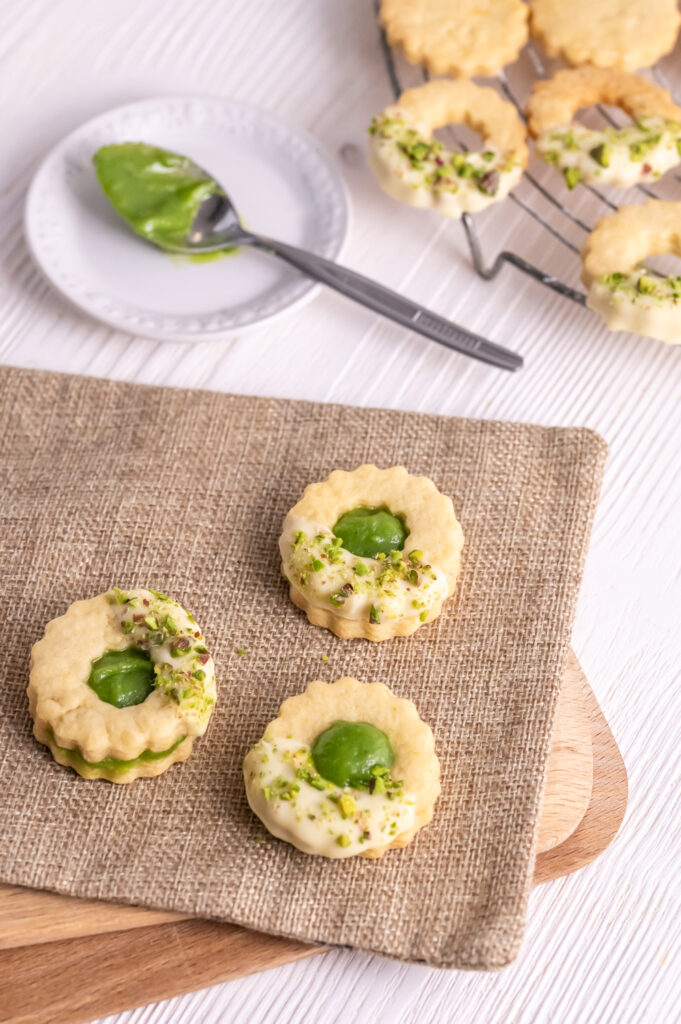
{"points": [[628, 297], [624, 34], [297, 804], [95, 736], [379, 597], [641, 151], [469, 37], [414, 167]]}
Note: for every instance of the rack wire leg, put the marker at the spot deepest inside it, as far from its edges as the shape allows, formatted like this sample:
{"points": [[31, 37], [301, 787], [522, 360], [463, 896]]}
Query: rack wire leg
{"points": [[488, 273]]}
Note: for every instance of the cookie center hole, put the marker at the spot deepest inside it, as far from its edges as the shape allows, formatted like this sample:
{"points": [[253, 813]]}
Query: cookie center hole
{"points": [[367, 532], [353, 754], [600, 116], [663, 264], [122, 678], [459, 138]]}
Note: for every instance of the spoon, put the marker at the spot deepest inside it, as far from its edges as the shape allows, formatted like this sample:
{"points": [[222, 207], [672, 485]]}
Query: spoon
{"points": [[217, 226]]}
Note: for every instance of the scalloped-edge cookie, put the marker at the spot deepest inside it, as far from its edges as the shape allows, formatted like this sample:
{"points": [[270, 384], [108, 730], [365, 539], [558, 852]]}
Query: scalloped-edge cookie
{"points": [[624, 34], [376, 596], [413, 166], [382, 810], [121, 685], [457, 37], [638, 152], [620, 289]]}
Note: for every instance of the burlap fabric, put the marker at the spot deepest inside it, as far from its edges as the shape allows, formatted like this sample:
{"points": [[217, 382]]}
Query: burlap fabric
{"points": [[108, 483]]}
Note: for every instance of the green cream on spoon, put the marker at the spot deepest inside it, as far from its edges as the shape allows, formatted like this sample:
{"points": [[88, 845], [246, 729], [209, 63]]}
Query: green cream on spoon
{"points": [[353, 754], [157, 192], [367, 532]]}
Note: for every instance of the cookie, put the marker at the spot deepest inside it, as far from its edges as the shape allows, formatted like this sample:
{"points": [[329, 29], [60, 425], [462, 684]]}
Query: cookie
{"points": [[371, 553], [346, 769], [624, 34], [457, 37], [121, 685], [416, 168], [639, 152], [620, 289]]}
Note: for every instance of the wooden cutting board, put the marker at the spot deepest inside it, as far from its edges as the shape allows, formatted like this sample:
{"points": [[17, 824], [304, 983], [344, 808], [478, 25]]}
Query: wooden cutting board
{"points": [[66, 961]]}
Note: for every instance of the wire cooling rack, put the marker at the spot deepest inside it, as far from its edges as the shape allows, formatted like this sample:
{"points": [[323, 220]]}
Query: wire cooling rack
{"points": [[541, 188]]}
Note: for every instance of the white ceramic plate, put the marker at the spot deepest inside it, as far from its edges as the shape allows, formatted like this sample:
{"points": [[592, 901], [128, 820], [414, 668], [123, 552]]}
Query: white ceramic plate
{"points": [[279, 180]]}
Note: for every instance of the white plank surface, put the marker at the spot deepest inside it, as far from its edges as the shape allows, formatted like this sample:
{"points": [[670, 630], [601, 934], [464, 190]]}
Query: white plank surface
{"points": [[605, 944]]}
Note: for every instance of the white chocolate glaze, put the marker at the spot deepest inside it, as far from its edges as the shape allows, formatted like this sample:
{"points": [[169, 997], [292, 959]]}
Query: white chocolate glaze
{"points": [[642, 151], [316, 816], [392, 589], [415, 168]]}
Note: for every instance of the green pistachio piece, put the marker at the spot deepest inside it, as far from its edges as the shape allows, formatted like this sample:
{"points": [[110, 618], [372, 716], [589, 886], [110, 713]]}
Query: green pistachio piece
{"points": [[637, 150], [614, 280], [601, 154], [572, 176], [646, 286], [418, 151], [466, 170], [347, 806], [488, 183]]}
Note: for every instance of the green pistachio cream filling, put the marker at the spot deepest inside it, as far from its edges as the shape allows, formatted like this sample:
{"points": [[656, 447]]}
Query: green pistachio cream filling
{"points": [[122, 678], [157, 192], [112, 764], [353, 754], [367, 532]]}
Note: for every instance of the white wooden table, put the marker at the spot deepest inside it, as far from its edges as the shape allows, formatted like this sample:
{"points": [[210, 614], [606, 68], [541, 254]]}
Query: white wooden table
{"points": [[602, 945]]}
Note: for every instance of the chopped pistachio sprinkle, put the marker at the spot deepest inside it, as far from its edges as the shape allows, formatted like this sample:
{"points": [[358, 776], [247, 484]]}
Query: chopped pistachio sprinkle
{"points": [[641, 286], [378, 589], [284, 772], [585, 153], [437, 168], [179, 653]]}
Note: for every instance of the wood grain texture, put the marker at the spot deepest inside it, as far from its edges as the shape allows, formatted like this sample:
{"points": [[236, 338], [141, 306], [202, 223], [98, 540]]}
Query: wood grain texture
{"points": [[68, 982], [74, 981], [570, 771], [603, 945], [29, 916], [607, 804]]}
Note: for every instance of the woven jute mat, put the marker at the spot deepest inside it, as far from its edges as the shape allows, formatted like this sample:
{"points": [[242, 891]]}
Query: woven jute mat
{"points": [[108, 483]]}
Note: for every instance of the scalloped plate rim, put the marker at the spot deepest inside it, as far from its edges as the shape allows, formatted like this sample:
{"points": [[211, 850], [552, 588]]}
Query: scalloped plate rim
{"points": [[300, 294]]}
